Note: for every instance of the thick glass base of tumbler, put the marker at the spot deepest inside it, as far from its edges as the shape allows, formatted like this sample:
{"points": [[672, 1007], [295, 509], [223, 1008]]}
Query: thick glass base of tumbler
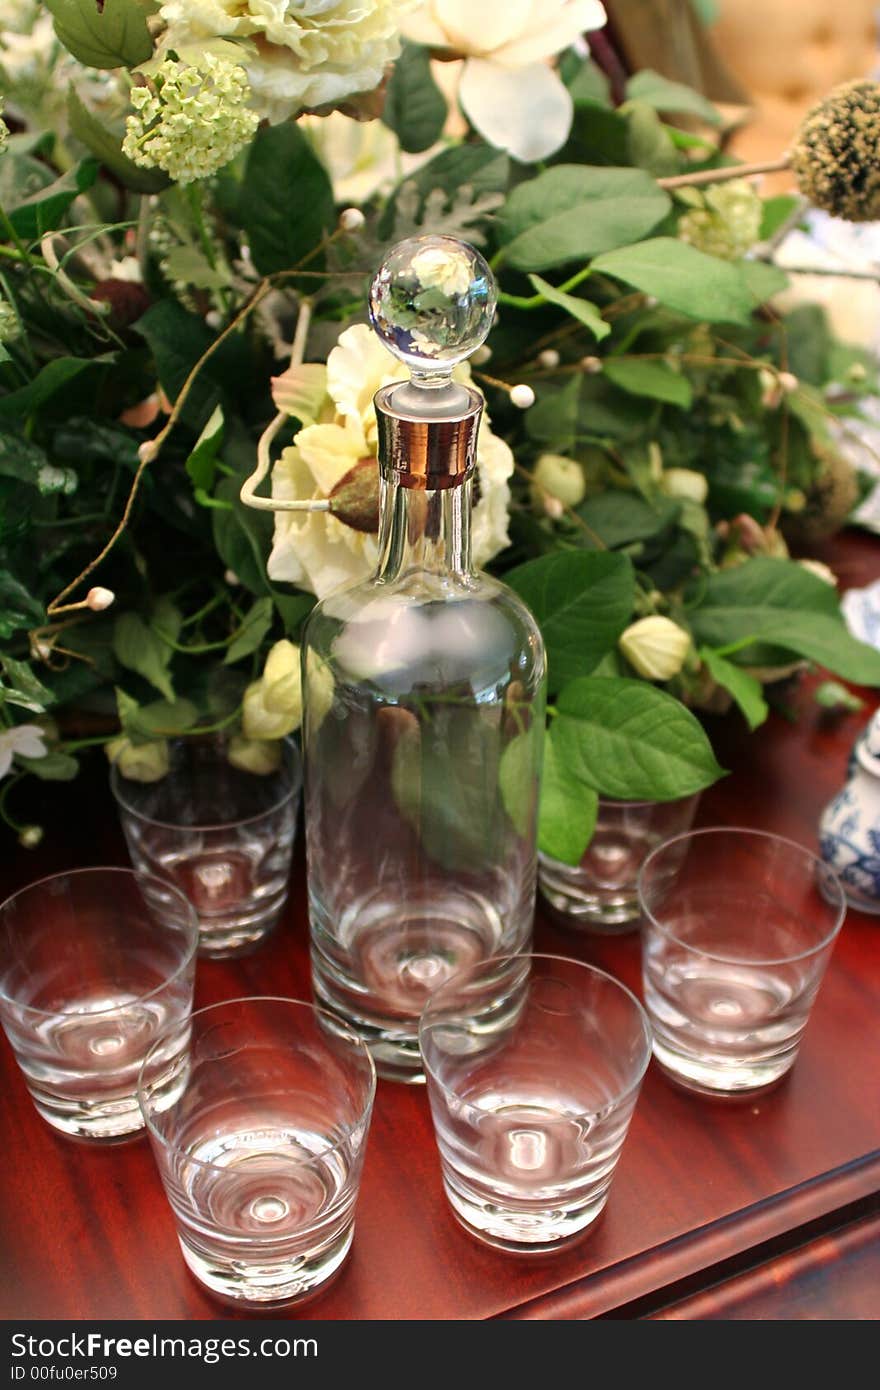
{"points": [[237, 935], [271, 1284], [516, 1228], [100, 1121], [377, 967], [607, 914], [723, 1078]]}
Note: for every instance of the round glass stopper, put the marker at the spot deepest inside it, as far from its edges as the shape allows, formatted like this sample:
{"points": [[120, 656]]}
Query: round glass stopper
{"points": [[432, 302]]}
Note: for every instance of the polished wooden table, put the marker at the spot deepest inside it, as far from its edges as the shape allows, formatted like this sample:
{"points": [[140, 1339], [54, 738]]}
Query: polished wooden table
{"points": [[762, 1209]]}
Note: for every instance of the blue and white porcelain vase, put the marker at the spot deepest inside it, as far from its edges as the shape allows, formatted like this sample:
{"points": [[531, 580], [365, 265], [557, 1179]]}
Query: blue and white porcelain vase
{"points": [[849, 827]]}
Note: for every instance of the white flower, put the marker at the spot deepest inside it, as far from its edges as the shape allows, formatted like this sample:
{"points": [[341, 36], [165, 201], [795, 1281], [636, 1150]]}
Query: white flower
{"points": [[656, 647], [25, 740], [192, 119], [361, 157], [297, 53], [317, 551], [507, 88], [686, 484], [436, 268]]}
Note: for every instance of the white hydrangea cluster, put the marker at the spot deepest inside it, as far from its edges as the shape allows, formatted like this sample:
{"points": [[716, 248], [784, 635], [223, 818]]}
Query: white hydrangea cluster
{"points": [[308, 54], [725, 222], [191, 119]]}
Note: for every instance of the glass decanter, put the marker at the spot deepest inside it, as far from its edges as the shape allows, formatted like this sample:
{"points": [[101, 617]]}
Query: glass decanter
{"points": [[424, 692]]}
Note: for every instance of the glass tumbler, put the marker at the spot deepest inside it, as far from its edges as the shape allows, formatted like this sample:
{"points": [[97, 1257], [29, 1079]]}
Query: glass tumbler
{"points": [[599, 894], [258, 1117], [533, 1065], [95, 965], [735, 943], [224, 836]]}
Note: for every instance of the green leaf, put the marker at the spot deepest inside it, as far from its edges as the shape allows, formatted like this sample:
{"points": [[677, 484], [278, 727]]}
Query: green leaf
{"points": [[243, 538], [177, 340], [655, 379], [252, 631], [581, 309], [20, 404], [629, 740], [572, 213], [103, 144], [112, 35], [568, 810], [650, 145], [588, 85], [140, 649], [779, 602], [678, 275], [202, 462], [582, 602], [763, 280], [159, 719], [776, 211], [25, 689], [415, 108], [18, 608], [190, 266], [745, 689], [620, 518], [54, 767], [663, 95], [44, 210], [517, 779], [287, 201]]}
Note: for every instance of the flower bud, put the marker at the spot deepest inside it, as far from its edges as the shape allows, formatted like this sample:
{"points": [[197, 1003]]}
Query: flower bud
{"points": [[820, 570], [558, 477], [140, 762], [261, 756], [273, 704], [655, 647], [482, 355], [685, 483], [592, 365], [98, 599], [320, 688], [522, 396], [282, 688], [549, 359], [351, 220], [30, 836]]}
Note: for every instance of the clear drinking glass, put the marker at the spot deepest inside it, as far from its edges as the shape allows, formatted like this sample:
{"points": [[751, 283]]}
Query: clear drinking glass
{"points": [[258, 1117], [599, 894], [95, 964], [534, 1065], [223, 835], [738, 929]]}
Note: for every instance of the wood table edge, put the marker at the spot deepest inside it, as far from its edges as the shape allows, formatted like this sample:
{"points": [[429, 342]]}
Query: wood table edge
{"points": [[658, 1268]]}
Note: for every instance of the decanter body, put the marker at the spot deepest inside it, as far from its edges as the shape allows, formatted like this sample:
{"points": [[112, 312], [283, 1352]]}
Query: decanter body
{"points": [[424, 697]]}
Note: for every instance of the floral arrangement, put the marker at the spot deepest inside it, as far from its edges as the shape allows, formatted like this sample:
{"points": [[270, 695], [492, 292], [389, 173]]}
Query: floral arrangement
{"points": [[193, 198]]}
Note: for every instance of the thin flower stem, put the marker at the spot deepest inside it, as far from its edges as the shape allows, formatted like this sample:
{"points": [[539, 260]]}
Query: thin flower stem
{"points": [[733, 171]]}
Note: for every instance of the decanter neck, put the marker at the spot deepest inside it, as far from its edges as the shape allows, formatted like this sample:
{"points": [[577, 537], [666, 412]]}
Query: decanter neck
{"points": [[427, 530]]}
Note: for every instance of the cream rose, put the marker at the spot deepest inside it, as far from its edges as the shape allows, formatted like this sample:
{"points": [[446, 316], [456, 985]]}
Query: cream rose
{"points": [[315, 550], [296, 53]]}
